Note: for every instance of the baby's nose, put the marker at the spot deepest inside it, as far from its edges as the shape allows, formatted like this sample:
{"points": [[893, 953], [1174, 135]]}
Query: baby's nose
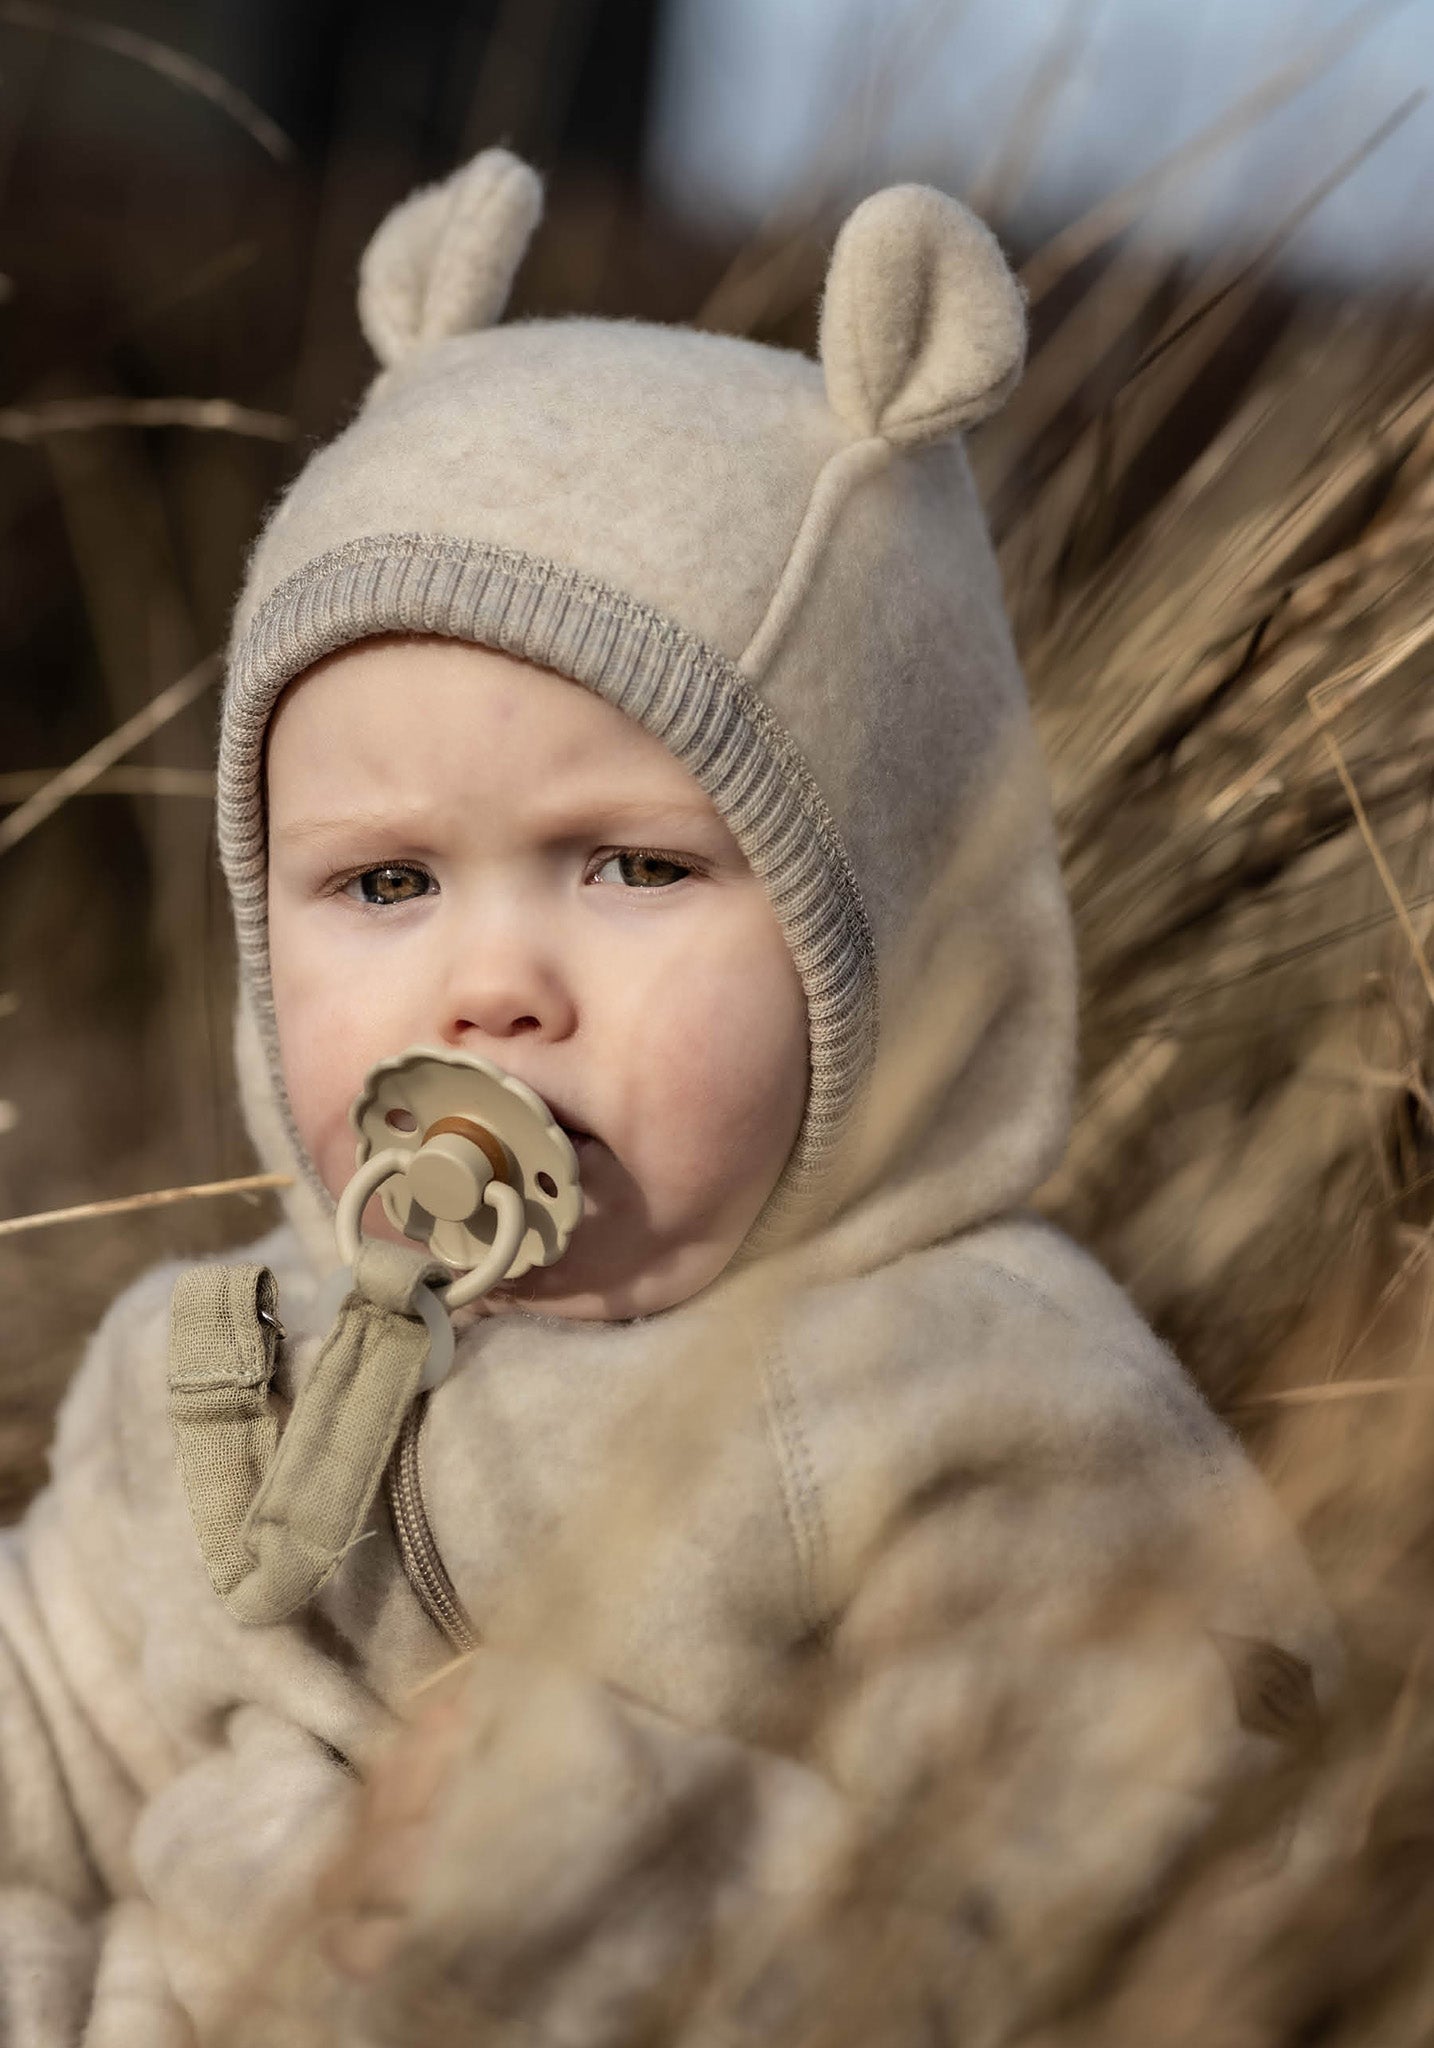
{"points": [[508, 989]]}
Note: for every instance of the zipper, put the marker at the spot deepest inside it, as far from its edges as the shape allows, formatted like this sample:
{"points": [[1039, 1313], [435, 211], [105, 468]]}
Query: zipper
{"points": [[423, 1567]]}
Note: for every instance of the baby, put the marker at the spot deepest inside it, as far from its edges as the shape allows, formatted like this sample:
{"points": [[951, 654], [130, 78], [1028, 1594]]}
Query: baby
{"points": [[859, 1613]]}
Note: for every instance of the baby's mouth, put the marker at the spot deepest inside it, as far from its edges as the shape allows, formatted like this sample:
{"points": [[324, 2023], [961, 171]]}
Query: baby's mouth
{"points": [[582, 1141], [587, 1156]]}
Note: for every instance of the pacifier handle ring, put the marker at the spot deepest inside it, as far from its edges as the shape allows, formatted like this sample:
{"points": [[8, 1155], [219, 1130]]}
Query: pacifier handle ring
{"points": [[512, 1216], [365, 1184], [505, 1201]]}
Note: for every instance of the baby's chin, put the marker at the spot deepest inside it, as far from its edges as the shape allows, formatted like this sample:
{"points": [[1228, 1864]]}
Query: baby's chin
{"points": [[590, 1295], [607, 1277]]}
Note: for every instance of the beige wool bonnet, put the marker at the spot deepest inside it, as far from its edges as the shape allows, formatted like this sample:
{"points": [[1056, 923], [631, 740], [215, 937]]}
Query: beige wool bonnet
{"points": [[780, 568]]}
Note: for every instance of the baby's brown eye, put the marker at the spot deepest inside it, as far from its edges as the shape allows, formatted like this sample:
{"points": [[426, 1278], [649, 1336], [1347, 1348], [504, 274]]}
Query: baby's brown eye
{"points": [[635, 870], [392, 884]]}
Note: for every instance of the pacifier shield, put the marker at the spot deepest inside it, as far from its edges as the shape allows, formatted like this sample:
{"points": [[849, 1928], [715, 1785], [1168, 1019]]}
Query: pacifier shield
{"points": [[405, 1098]]}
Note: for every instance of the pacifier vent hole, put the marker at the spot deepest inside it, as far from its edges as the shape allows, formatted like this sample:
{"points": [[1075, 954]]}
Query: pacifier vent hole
{"points": [[401, 1119], [547, 1185]]}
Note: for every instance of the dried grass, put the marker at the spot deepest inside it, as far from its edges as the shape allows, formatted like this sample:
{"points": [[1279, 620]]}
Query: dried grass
{"points": [[82, 415], [1215, 509], [1230, 639], [57, 789], [24, 783], [177, 66], [1233, 694], [153, 1198]]}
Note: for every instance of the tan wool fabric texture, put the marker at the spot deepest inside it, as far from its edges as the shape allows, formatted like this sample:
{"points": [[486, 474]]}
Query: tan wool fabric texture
{"points": [[778, 566]]}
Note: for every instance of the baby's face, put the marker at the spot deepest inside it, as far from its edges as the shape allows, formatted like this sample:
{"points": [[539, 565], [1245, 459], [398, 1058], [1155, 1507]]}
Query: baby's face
{"points": [[467, 851]]}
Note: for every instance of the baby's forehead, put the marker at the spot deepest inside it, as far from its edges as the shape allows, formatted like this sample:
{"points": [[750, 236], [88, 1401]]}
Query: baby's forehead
{"points": [[415, 721]]}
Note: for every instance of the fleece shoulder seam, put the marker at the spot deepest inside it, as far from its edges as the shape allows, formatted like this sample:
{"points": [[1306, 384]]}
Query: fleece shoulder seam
{"points": [[801, 1493]]}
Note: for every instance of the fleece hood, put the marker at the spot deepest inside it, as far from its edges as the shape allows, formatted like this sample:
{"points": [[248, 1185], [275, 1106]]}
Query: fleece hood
{"points": [[780, 568]]}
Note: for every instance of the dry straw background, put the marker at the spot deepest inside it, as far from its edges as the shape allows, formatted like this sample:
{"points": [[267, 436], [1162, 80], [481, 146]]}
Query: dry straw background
{"points": [[1214, 501]]}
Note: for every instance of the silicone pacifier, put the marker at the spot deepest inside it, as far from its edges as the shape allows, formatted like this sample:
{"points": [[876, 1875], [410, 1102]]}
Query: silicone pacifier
{"points": [[471, 1164]]}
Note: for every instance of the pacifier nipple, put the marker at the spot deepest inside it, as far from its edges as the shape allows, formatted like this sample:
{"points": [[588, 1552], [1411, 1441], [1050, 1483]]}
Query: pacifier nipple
{"points": [[451, 1169], [471, 1163]]}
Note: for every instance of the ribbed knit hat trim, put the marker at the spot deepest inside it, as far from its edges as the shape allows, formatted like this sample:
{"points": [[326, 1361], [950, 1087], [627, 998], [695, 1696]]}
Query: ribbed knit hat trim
{"points": [[688, 696]]}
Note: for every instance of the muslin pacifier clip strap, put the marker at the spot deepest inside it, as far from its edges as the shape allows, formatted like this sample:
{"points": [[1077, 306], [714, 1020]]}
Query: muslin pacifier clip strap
{"points": [[275, 1513], [223, 1330]]}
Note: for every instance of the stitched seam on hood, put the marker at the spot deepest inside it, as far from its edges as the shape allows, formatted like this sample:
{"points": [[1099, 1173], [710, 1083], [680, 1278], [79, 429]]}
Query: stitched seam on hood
{"points": [[835, 481]]}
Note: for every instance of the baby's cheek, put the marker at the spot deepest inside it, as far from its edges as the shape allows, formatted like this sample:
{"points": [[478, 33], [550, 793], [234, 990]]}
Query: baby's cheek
{"points": [[726, 1084], [322, 1074], [324, 1134], [333, 1154]]}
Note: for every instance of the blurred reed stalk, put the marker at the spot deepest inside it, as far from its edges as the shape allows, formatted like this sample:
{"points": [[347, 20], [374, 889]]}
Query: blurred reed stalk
{"points": [[1214, 504]]}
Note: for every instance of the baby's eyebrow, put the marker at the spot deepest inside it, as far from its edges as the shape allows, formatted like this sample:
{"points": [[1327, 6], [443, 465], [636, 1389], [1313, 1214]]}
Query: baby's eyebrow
{"points": [[631, 810], [346, 822], [573, 811]]}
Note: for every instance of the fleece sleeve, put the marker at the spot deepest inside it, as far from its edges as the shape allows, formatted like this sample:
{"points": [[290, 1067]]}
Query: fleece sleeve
{"points": [[1034, 1724], [67, 1798], [104, 1790], [1021, 1734]]}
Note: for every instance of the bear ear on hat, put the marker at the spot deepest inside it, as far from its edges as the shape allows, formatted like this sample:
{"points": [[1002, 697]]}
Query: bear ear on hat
{"points": [[443, 262], [923, 327]]}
